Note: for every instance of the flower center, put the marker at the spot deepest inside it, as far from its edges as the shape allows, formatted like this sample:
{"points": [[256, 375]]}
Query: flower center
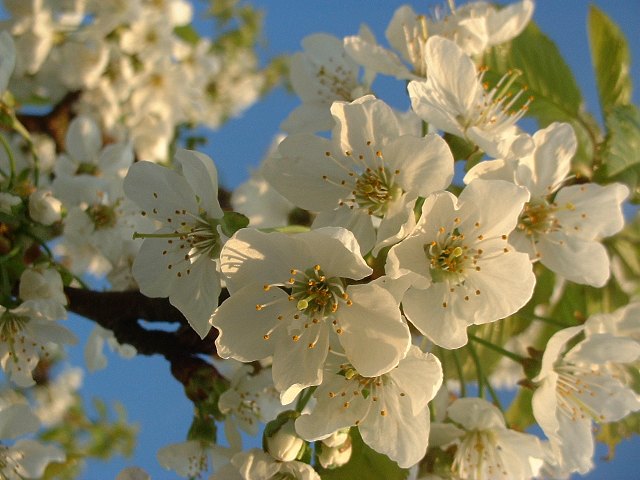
{"points": [[10, 325], [374, 189], [315, 293], [448, 257], [102, 216], [200, 238], [538, 218]]}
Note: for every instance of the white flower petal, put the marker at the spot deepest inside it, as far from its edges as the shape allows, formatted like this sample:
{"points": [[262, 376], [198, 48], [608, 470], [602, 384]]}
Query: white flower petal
{"points": [[373, 321]]}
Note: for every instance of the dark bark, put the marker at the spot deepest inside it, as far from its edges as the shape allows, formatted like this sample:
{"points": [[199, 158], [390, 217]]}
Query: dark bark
{"points": [[121, 313]]}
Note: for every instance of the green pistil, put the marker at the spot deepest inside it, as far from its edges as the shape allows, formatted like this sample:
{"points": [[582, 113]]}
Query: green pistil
{"points": [[446, 259], [203, 237], [374, 190], [317, 294]]}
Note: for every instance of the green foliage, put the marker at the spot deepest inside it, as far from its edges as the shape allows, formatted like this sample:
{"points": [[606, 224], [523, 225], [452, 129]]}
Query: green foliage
{"points": [[83, 436], [464, 150], [187, 33], [621, 162], [611, 59], [232, 222], [625, 252], [519, 415], [364, 463], [548, 79]]}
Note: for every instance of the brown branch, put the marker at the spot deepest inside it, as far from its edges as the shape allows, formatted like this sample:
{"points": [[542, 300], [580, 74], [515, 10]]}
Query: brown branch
{"points": [[121, 312], [54, 123]]}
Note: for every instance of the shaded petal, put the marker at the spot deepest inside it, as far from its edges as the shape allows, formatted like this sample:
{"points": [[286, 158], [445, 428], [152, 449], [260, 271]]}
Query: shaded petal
{"points": [[242, 327], [400, 434], [372, 322], [576, 259], [426, 311], [201, 173], [196, 294], [298, 359], [299, 170], [424, 164], [376, 57], [491, 207], [595, 209], [419, 376], [160, 191]]}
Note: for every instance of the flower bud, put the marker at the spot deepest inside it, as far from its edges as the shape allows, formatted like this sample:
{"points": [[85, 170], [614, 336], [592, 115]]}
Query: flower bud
{"points": [[285, 445], [44, 208], [337, 438], [334, 457]]}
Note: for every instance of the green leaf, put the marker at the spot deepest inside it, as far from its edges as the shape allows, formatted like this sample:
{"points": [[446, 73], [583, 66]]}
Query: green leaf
{"points": [[187, 33], [232, 222], [544, 72], [610, 58], [620, 159], [519, 415], [365, 463], [551, 84], [624, 249]]}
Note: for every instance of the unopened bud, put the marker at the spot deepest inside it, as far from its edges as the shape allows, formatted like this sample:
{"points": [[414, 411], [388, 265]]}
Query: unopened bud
{"points": [[44, 208], [337, 438], [285, 445], [334, 457]]}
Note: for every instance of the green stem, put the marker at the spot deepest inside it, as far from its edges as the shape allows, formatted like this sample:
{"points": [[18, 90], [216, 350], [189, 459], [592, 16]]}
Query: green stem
{"points": [[550, 321], [479, 373], [513, 356], [485, 380], [157, 235], [12, 161], [304, 399], [456, 361]]}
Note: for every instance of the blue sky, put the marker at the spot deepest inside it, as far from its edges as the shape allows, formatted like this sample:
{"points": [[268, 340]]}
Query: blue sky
{"points": [[152, 397]]}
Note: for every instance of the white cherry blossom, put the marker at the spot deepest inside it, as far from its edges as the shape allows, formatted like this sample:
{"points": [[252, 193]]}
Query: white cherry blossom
{"points": [[389, 410], [94, 355], [28, 333], [455, 99], [561, 226], [321, 74], [575, 389], [88, 168], [458, 259], [486, 448], [179, 260], [291, 294], [473, 27], [368, 176], [258, 465], [26, 458], [250, 400], [190, 459]]}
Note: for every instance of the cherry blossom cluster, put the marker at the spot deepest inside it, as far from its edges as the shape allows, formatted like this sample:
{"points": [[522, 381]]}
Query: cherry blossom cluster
{"points": [[352, 279], [127, 59]]}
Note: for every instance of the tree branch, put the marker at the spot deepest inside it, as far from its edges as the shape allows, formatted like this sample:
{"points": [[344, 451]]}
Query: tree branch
{"points": [[120, 312]]}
